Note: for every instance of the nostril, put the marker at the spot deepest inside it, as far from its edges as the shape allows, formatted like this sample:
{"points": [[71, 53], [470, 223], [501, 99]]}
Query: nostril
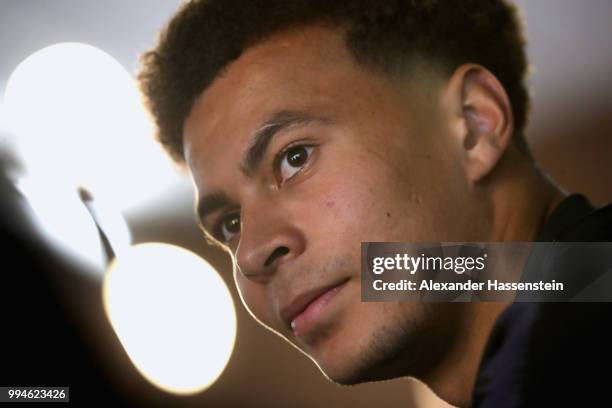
{"points": [[278, 252]]}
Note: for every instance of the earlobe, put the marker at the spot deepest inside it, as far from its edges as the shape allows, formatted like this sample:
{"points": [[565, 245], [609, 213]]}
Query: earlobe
{"points": [[487, 115]]}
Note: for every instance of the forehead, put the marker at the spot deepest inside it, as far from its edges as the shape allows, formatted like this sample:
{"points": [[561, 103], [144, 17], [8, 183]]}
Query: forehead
{"points": [[307, 69]]}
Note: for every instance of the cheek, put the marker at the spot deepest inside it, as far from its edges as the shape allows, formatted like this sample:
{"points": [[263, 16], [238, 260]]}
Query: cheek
{"points": [[359, 204], [331, 211], [255, 299]]}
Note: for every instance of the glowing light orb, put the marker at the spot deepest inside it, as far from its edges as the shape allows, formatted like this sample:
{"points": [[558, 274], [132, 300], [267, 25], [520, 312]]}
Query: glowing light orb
{"points": [[78, 119], [173, 314]]}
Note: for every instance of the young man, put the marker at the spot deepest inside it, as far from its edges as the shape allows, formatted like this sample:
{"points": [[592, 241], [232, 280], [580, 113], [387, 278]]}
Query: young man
{"points": [[312, 126]]}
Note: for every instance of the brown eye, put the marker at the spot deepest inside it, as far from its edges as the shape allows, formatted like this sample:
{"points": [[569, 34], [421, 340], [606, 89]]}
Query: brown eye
{"points": [[293, 160], [230, 226]]}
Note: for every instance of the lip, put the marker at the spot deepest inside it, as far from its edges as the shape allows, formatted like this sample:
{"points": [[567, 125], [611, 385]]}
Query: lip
{"points": [[295, 313]]}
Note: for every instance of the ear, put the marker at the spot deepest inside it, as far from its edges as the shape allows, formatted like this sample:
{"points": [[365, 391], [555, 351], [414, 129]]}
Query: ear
{"points": [[485, 111]]}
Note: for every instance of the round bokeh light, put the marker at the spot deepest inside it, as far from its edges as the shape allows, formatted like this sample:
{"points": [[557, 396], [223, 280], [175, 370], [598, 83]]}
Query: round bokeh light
{"points": [[173, 314]]}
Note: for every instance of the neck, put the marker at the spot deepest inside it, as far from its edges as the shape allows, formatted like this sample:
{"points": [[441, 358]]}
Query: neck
{"points": [[522, 199]]}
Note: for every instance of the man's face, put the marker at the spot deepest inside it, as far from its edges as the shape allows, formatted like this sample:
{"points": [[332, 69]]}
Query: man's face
{"points": [[298, 155]]}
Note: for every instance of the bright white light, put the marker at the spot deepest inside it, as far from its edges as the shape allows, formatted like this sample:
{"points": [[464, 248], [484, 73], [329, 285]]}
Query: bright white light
{"points": [[173, 315], [7, 141], [65, 223], [62, 218], [79, 120], [3, 124]]}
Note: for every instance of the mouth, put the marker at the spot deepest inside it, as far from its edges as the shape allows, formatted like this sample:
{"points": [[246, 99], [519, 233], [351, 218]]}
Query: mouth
{"points": [[304, 311]]}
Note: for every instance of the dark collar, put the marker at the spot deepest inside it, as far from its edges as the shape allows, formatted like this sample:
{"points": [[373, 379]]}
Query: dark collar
{"points": [[568, 213]]}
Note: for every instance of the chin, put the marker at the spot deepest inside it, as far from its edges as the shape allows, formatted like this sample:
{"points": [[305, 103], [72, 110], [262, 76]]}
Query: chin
{"points": [[368, 359], [405, 344], [344, 373]]}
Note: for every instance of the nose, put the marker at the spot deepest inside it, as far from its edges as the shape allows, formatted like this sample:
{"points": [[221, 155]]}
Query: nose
{"points": [[269, 237]]}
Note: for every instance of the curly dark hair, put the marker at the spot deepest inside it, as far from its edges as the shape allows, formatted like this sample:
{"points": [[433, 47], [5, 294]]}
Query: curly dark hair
{"points": [[206, 35]]}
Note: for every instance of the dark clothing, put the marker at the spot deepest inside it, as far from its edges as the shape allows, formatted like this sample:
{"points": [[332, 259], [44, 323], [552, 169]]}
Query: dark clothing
{"points": [[553, 354]]}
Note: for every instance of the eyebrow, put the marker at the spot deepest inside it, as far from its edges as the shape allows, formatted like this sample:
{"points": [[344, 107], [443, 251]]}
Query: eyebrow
{"points": [[254, 154], [262, 137], [211, 203]]}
